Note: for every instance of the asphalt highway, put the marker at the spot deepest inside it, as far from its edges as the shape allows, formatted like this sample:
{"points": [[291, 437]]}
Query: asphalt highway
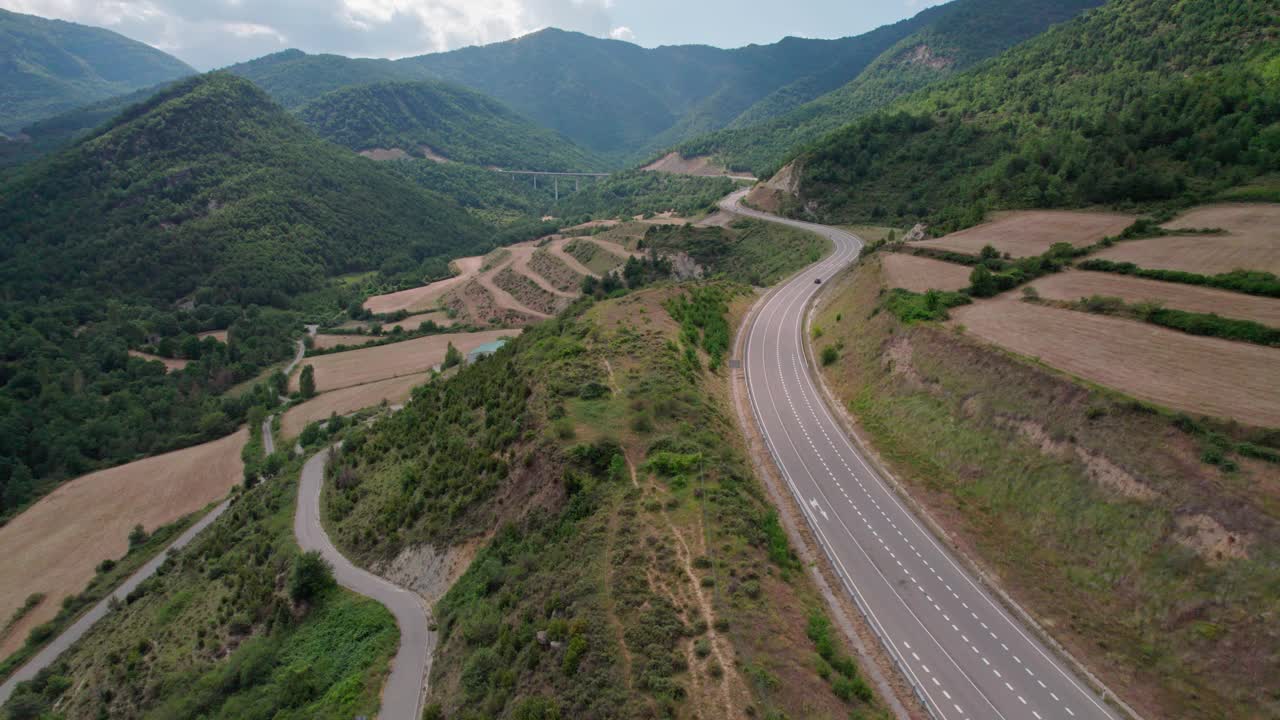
{"points": [[403, 692], [967, 657]]}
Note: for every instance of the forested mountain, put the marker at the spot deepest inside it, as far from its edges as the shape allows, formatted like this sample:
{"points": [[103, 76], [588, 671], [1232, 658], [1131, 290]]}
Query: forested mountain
{"points": [[47, 66], [294, 78], [458, 124], [211, 186], [1137, 102], [944, 40], [192, 211], [612, 96]]}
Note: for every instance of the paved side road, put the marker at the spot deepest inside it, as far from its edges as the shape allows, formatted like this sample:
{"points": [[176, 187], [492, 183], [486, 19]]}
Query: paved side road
{"points": [[403, 694], [966, 656], [71, 635]]}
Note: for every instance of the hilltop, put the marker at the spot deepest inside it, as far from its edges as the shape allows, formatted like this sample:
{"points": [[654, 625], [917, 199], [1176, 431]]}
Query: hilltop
{"points": [[448, 122], [210, 185], [942, 41], [48, 66]]}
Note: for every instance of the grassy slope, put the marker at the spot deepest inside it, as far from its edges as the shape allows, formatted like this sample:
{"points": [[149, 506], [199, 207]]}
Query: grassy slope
{"points": [[942, 41], [539, 443], [213, 634], [748, 251], [1135, 103], [457, 123], [1177, 635]]}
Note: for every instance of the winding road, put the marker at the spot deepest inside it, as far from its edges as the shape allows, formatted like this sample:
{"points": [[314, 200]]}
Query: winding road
{"points": [[403, 692], [966, 656]]}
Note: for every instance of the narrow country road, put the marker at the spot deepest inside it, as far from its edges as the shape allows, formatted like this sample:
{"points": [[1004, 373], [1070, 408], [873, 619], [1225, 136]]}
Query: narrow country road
{"points": [[71, 635], [403, 693], [966, 656]]}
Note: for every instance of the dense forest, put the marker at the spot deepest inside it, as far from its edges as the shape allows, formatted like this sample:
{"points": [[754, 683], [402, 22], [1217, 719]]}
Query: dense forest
{"points": [[944, 40], [451, 121], [204, 208], [637, 192], [1134, 103], [213, 191], [48, 66]]}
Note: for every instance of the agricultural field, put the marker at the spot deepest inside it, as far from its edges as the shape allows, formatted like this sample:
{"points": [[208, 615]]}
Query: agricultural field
{"points": [[555, 270], [1025, 233], [410, 323], [348, 400], [1251, 242], [592, 255], [427, 297], [1198, 375], [1077, 284], [411, 357], [41, 551], [919, 274]]}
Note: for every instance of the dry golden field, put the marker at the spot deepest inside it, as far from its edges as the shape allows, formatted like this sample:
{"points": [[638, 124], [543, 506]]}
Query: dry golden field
{"points": [[1024, 233], [57, 543]]}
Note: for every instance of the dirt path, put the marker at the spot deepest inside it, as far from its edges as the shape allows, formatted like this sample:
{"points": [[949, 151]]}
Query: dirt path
{"points": [[504, 299], [556, 247], [520, 263]]}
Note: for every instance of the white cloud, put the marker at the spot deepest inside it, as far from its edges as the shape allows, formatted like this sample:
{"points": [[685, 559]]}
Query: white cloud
{"points": [[214, 33], [622, 32]]}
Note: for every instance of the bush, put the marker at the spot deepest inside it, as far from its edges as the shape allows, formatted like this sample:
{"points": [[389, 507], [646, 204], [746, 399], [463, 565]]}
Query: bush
{"points": [[311, 576], [830, 355]]}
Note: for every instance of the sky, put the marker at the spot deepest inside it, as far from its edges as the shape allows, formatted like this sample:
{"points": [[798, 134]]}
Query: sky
{"points": [[215, 33]]}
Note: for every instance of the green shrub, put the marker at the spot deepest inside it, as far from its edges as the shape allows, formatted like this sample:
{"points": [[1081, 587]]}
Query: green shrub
{"points": [[311, 576], [830, 355]]}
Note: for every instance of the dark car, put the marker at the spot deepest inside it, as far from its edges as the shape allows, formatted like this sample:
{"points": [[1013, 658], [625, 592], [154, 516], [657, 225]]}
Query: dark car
{"points": [[817, 281]]}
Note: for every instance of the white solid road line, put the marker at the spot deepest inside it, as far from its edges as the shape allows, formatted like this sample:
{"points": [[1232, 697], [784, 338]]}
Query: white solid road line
{"points": [[934, 619]]}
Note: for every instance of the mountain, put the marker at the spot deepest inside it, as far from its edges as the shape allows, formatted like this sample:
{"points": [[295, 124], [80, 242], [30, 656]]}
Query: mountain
{"points": [[612, 96], [446, 120], [48, 66], [294, 78], [1135, 103], [210, 184], [943, 40]]}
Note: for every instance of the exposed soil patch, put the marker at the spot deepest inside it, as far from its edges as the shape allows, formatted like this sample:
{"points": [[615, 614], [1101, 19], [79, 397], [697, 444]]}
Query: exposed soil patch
{"points": [[382, 154], [1025, 233], [170, 364], [1252, 242], [434, 156], [770, 194], [219, 335], [1210, 540], [56, 544], [701, 165], [1185, 372], [919, 274], [1079, 284], [411, 357]]}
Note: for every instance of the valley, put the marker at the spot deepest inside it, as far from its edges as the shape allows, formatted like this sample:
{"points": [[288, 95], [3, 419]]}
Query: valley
{"points": [[925, 373]]}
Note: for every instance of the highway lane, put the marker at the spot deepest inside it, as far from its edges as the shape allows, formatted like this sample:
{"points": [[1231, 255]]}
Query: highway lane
{"points": [[404, 690], [967, 657]]}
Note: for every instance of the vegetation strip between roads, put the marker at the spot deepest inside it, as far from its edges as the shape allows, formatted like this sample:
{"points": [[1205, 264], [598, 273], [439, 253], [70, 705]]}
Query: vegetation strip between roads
{"points": [[405, 689], [60, 644]]}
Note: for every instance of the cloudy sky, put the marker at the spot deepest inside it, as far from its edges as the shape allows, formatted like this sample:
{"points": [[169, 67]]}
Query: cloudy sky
{"points": [[214, 33]]}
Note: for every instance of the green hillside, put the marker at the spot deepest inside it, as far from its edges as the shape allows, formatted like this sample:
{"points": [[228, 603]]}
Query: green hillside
{"points": [[294, 78], [456, 123], [1134, 103], [210, 186], [191, 212], [943, 40], [612, 96], [48, 66]]}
